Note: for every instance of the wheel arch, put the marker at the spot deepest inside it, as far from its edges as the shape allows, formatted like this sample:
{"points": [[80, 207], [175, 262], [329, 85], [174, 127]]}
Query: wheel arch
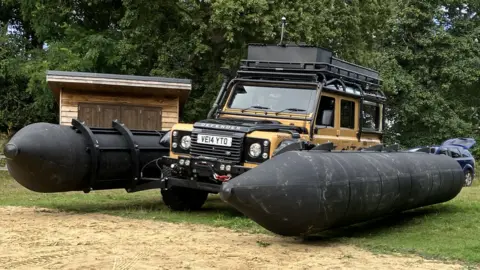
{"points": [[470, 168]]}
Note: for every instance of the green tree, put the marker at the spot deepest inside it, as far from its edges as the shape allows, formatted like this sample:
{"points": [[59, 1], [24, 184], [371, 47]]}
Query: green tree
{"points": [[23, 97], [427, 51], [437, 71]]}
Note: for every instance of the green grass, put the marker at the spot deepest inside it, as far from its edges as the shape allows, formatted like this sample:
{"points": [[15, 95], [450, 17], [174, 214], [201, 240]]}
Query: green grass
{"points": [[448, 231], [142, 205]]}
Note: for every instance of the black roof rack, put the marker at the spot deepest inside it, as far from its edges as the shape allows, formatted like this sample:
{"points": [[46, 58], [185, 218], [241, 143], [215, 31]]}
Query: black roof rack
{"points": [[304, 63], [283, 76]]}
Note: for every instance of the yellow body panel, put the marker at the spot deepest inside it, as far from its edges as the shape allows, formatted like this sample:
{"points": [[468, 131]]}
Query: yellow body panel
{"points": [[180, 126], [343, 138]]}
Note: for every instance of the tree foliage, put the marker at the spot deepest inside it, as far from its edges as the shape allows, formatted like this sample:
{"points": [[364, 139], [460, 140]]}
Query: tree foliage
{"points": [[428, 51]]}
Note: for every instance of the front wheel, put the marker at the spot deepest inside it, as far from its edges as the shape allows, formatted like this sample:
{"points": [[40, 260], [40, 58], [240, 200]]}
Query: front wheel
{"points": [[184, 199], [468, 178]]}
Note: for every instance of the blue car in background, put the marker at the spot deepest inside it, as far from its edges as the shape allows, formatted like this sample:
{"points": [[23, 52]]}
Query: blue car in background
{"points": [[458, 149]]}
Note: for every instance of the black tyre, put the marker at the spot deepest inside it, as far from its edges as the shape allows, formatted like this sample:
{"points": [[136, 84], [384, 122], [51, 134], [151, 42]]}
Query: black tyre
{"points": [[184, 199], [468, 178]]}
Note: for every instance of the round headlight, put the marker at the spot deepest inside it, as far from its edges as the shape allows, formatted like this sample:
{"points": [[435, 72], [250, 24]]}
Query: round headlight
{"points": [[255, 150], [185, 143]]}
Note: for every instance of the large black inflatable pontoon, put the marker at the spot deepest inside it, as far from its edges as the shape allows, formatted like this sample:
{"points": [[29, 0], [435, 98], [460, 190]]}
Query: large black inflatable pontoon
{"points": [[50, 158], [306, 192]]}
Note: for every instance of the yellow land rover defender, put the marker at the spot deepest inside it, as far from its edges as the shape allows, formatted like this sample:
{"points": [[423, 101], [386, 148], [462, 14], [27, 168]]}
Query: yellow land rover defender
{"points": [[282, 98]]}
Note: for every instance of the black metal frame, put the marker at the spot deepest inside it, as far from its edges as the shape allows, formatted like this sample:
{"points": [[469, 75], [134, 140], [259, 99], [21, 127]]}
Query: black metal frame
{"points": [[92, 147], [310, 67], [169, 182], [134, 152], [283, 76], [315, 114], [271, 80], [360, 120], [220, 97], [328, 71], [201, 166]]}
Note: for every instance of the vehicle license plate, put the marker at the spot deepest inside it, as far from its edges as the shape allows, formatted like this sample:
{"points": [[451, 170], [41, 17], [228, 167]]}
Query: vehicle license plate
{"points": [[214, 140]]}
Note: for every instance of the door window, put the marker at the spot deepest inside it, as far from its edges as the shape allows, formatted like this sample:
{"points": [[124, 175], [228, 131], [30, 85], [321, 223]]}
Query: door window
{"points": [[347, 114], [326, 112], [455, 153]]}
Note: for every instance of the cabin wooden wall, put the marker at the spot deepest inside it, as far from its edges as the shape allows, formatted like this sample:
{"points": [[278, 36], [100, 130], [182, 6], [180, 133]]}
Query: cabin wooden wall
{"points": [[69, 100]]}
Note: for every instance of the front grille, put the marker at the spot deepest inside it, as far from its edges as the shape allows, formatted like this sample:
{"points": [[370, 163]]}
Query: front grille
{"points": [[220, 152]]}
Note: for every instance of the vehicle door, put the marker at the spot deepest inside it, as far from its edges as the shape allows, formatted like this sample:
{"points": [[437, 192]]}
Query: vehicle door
{"points": [[326, 122], [348, 123]]}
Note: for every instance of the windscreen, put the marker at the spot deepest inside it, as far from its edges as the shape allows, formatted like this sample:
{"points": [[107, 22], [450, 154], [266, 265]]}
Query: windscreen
{"points": [[273, 98]]}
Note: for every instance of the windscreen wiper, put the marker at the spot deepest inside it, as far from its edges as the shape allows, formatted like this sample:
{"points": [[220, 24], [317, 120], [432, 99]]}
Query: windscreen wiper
{"points": [[290, 109], [255, 107]]}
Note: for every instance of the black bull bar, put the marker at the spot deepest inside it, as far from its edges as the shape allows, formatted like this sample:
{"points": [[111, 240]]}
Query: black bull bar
{"points": [[184, 170]]}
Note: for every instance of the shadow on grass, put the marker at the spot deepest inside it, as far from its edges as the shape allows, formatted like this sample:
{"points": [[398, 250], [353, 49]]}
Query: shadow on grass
{"points": [[382, 225]]}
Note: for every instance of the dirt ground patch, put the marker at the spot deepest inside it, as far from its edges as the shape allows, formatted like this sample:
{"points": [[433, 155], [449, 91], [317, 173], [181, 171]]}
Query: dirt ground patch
{"points": [[34, 238]]}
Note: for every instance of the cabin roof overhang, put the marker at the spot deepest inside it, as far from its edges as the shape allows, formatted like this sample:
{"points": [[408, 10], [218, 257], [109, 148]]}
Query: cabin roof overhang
{"points": [[114, 83]]}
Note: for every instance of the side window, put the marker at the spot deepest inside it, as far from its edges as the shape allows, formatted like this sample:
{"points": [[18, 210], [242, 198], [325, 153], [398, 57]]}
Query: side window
{"points": [[347, 114], [444, 151], [326, 112], [371, 116], [465, 153], [455, 153]]}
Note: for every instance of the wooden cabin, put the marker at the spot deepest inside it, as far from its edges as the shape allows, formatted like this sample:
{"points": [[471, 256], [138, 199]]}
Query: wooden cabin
{"points": [[140, 102]]}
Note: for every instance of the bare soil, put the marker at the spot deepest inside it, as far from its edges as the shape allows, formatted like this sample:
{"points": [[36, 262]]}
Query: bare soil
{"points": [[34, 238]]}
